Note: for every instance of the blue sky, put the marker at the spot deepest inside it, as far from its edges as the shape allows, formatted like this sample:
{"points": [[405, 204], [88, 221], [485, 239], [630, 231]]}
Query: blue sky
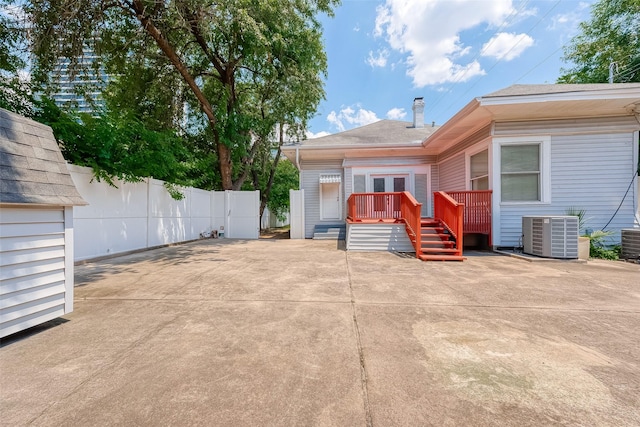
{"points": [[384, 53]]}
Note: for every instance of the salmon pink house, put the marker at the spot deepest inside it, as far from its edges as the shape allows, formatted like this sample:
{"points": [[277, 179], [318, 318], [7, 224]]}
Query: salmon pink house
{"points": [[521, 151]]}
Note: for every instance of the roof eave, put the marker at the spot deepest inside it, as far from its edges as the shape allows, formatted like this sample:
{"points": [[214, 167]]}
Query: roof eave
{"points": [[613, 93]]}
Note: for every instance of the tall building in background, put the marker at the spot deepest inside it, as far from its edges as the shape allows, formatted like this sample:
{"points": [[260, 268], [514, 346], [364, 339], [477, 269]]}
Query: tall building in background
{"points": [[82, 91]]}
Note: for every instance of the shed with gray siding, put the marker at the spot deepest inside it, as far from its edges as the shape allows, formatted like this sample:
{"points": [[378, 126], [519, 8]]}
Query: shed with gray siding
{"points": [[37, 196]]}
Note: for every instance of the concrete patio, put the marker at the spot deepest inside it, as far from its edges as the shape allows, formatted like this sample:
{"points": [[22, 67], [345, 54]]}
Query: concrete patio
{"points": [[286, 332]]}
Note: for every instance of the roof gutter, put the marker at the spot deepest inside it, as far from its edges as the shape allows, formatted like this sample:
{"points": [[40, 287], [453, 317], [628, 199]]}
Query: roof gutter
{"points": [[453, 121], [416, 144]]}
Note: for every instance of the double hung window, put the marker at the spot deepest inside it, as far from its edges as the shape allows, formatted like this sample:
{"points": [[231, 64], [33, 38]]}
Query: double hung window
{"points": [[520, 172]]}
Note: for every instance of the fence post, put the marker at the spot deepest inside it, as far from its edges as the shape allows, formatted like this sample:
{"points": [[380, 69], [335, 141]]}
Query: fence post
{"points": [[296, 209]]}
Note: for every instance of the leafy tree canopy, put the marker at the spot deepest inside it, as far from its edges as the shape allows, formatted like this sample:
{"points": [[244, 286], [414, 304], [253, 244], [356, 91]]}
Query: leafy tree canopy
{"points": [[612, 35], [119, 146], [241, 66], [15, 92], [286, 177]]}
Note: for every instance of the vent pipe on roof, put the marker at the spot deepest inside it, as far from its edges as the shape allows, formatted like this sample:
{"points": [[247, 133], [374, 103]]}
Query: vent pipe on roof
{"points": [[418, 112]]}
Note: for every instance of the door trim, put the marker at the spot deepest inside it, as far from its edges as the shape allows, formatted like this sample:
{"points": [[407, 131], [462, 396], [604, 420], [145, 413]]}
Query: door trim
{"points": [[340, 207]]}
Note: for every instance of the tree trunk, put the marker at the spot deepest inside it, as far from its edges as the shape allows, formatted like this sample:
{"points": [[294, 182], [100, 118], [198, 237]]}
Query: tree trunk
{"points": [[224, 158], [224, 153], [272, 173]]}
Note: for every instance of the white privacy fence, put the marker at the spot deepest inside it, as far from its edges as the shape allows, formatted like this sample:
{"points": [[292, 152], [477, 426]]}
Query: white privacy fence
{"points": [[143, 215], [296, 213]]}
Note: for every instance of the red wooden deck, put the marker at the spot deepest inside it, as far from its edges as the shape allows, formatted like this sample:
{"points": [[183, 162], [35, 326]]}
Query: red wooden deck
{"points": [[455, 213]]}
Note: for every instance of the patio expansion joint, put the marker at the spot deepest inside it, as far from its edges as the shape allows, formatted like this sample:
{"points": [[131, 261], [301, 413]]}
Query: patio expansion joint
{"points": [[291, 301], [363, 368], [505, 307]]}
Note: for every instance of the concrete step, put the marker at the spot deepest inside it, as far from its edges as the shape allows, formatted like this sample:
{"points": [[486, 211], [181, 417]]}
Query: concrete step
{"points": [[330, 232]]}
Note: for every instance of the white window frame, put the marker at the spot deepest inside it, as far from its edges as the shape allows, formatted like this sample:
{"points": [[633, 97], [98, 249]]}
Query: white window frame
{"points": [[409, 181], [478, 148], [544, 142], [369, 173]]}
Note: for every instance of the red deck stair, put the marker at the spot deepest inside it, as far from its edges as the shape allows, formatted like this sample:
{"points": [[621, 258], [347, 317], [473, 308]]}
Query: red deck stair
{"points": [[434, 239], [437, 243]]}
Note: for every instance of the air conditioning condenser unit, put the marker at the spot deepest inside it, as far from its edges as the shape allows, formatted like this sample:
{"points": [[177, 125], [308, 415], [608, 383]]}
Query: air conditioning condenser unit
{"points": [[550, 236]]}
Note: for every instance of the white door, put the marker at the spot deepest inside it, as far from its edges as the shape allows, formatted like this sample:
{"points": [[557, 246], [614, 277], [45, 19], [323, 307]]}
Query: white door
{"points": [[388, 184], [330, 200]]}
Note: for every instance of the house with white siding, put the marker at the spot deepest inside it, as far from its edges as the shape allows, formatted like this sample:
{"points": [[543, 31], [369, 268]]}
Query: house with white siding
{"points": [[524, 150], [37, 196]]}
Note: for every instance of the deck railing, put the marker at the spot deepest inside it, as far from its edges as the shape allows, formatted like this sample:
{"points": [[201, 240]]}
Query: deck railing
{"points": [[381, 207], [477, 210], [411, 213], [374, 206], [460, 211], [451, 213]]}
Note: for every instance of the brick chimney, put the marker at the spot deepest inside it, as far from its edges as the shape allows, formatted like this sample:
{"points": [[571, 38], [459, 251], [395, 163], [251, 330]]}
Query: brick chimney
{"points": [[418, 112]]}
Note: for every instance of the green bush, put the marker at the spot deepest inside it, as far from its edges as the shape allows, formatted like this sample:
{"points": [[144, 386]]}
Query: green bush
{"points": [[599, 247]]}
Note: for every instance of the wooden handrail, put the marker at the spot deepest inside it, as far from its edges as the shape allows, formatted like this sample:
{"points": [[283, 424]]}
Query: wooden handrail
{"points": [[477, 210], [411, 214], [451, 213], [460, 211]]}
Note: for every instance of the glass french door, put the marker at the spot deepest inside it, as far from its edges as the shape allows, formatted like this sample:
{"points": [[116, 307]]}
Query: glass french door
{"points": [[388, 184]]}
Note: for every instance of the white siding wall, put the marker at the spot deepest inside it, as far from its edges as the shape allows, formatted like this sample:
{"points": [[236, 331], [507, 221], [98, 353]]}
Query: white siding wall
{"points": [[310, 177], [452, 174], [36, 278], [435, 178], [348, 182], [421, 190], [588, 171], [599, 125], [378, 237], [435, 186]]}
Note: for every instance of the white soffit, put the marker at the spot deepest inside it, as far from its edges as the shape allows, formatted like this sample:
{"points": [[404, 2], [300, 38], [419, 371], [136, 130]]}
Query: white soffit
{"points": [[330, 179]]}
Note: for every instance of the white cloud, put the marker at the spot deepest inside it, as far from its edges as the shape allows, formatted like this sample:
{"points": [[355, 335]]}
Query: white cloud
{"points": [[311, 135], [396, 114], [507, 46], [568, 22], [428, 32], [352, 117], [380, 60]]}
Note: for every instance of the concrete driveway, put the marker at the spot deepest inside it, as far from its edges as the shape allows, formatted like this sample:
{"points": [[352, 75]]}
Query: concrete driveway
{"points": [[283, 332]]}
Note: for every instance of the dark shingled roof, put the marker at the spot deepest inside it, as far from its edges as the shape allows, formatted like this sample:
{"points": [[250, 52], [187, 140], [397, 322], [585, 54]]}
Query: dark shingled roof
{"points": [[383, 132], [32, 169]]}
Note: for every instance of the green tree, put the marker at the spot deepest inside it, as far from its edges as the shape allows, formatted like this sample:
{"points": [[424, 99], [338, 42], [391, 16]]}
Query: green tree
{"points": [[285, 178], [611, 36], [116, 145], [15, 92], [227, 54]]}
